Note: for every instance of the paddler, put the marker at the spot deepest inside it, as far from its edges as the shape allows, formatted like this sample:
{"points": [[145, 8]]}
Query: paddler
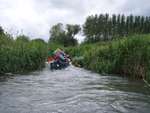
{"points": [[50, 55]]}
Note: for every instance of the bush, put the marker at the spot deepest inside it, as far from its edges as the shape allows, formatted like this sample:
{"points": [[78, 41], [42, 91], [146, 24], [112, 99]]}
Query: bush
{"points": [[21, 55], [127, 56]]}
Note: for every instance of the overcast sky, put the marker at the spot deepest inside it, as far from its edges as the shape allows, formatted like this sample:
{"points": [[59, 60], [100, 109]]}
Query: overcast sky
{"points": [[35, 17]]}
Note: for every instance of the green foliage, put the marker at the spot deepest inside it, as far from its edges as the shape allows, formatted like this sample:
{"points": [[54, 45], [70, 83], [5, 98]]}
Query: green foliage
{"points": [[128, 56], [54, 46], [1, 30], [21, 55], [64, 36], [104, 27]]}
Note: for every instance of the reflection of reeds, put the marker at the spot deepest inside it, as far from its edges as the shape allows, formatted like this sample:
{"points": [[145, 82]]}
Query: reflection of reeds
{"points": [[22, 54], [129, 56]]}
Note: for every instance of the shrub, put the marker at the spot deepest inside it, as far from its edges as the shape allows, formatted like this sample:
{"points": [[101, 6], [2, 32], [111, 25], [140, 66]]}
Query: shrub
{"points": [[126, 56]]}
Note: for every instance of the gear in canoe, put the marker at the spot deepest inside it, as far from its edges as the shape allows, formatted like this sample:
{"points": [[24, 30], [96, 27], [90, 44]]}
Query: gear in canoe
{"points": [[57, 59]]}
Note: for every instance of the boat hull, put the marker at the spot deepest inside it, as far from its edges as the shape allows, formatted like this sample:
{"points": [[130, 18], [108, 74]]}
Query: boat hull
{"points": [[55, 65]]}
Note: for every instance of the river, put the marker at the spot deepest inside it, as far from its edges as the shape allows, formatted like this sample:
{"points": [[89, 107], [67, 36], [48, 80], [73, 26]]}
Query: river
{"points": [[72, 90]]}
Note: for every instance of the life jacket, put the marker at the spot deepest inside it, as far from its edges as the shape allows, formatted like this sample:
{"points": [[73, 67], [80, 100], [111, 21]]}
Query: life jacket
{"points": [[50, 59], [50, 55], [59, 55]]}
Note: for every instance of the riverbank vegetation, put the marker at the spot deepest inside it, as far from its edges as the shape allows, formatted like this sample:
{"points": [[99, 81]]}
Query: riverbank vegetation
{"points": [[128, 56], [21, 54], [114, 44]]}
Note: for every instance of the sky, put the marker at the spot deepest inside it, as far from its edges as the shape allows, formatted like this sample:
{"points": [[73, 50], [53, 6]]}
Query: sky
{"points": [[35, 17]]}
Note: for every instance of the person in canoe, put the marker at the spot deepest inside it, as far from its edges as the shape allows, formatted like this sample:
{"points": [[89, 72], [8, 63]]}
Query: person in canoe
{"points": [[61, 58], [50, 55], [57, 59]]}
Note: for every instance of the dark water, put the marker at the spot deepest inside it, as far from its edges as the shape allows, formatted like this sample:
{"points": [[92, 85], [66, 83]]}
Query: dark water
{"points": [[72, 90]]}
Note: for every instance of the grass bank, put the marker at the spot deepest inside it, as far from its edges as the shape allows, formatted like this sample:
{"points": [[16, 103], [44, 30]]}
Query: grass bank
{"points": [[128, 56], [21, 54]]}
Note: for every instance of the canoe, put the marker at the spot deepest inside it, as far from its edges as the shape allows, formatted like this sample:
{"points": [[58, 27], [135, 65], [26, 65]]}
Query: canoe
{"points": [[55, 65]]}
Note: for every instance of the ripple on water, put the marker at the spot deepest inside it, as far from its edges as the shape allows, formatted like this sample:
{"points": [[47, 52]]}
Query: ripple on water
{"points": [[73, 90]]}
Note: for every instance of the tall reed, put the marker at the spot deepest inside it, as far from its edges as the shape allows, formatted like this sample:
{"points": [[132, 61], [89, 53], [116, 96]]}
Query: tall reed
{"points": [[128, 56], [21, 54]]}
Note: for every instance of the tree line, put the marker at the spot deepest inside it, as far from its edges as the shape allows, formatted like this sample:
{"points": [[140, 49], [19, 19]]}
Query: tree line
{"points": [[105, 27], [101, 27], [96, 28]]}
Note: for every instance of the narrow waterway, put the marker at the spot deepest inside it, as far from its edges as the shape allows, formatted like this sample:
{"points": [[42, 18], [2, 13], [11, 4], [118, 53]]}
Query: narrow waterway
{"points": [[72, 90]]}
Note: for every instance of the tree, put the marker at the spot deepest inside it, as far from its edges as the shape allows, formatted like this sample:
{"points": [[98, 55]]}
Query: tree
{"points": [[22, 38], [1, 30], [131, 28], [142, 24], [56, 33], [64, 35], [104, 27], [90, 29], [122, 29], [72, 30], [114, 24]]}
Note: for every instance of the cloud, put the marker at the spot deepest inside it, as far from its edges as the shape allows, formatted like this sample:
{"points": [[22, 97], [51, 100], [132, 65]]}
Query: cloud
{"points": [[136, 7], [35, 17]]}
